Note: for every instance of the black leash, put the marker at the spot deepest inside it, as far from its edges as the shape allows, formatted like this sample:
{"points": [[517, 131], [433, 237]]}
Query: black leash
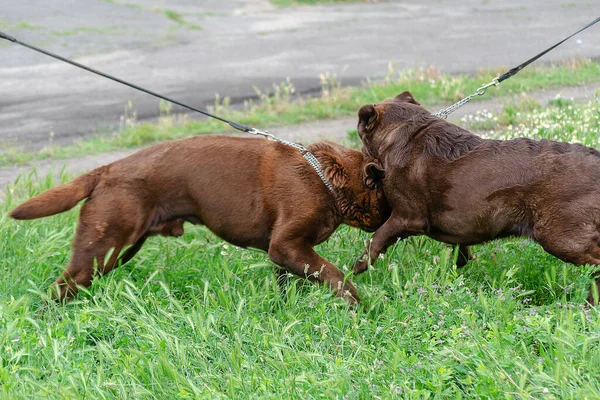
{"points": [[308, 156], [442, 113], [235, 125], [515, 70], [512, 72]]}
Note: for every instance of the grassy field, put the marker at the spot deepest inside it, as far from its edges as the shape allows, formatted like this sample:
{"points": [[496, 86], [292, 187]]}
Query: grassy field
{"points": [[282, 106], [197, 318]]}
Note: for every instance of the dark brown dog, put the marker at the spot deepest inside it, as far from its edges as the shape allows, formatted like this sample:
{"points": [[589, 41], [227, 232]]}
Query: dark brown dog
{"points": [[453, 186], [250, 192]]}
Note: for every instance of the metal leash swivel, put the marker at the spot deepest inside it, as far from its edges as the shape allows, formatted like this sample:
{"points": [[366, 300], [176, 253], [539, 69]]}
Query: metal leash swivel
{"points": [[512, 72], [257, 132], [479, 92], [308, 156]]}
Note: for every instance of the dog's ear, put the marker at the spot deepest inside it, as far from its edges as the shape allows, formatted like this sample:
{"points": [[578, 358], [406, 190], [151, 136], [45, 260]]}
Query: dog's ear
{"points": [[334, 171], [368, 117], [406, 97], [373, 174]]}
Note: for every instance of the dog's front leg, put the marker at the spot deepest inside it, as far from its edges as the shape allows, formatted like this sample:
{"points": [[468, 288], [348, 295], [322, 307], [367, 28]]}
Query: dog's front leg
{"points": [[393, 229], [300, 258]]}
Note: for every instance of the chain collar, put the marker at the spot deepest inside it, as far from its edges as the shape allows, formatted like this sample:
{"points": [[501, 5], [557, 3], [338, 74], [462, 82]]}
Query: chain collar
{"points": [[307, 155]]}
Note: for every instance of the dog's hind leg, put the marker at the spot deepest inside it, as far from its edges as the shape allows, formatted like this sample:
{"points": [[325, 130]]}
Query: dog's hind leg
{"points": [[102, 234], [92, 244], [298, 257], [85, 261], [578, 249], [592, 257], [172, 228], [464, 255], [595, 290], [131, 251]]}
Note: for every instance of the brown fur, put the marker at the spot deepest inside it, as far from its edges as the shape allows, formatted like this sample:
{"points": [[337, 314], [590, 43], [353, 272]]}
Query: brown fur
{"points": [[446, 183], [250, 192]]}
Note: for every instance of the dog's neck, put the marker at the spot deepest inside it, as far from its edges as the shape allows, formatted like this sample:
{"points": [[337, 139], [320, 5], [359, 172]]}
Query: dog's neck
{"points": [[344, 200]]}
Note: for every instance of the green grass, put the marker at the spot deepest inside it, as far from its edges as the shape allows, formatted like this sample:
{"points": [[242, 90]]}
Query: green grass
{"points": [[289, 3], [179, 19], [113, 29], [27, 25], [283, 107], [195, 317], [22, 25], [124, 4], [560, 120]]}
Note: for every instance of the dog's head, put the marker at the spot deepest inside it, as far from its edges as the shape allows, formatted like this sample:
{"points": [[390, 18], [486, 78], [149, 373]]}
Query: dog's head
{"points": [[384, 124], [357, 182]]}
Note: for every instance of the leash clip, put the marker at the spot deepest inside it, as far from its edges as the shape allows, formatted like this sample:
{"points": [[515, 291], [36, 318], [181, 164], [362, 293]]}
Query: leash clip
{"points": [[254, 131], [483, 88]]}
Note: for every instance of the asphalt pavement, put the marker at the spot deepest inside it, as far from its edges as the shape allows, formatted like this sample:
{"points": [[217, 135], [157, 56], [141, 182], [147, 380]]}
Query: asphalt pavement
{"points": [[192, 51]]}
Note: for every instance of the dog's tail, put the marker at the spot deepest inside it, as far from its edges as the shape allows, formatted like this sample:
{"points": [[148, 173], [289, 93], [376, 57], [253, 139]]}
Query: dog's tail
{"points": [[60, 198]]}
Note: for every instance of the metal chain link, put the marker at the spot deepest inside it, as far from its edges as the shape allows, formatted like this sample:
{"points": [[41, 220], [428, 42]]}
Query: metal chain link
{"points": [[312, 160], [479, 92], [308, 156]]}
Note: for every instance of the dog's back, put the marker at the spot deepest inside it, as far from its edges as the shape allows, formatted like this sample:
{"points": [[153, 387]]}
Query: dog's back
{"points": [[229, 184]]}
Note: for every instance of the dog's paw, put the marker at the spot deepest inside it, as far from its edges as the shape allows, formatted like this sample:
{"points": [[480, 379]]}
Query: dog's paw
{"points": [[351, 298], [361, 265]]}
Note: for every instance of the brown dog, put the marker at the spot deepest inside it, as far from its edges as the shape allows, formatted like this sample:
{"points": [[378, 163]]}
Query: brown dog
{"points": [[455, 187], [250, 192]]}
